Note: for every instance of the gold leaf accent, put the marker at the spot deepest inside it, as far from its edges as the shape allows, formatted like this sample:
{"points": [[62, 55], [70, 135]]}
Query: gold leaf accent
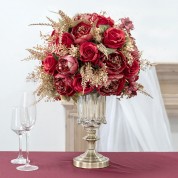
{"points": [[36, 54], [145, 64], [141, 90], [95, 77], [128, 48], [74, 51], [60, 50], [65, 17], [96, 33], [52, 21], [66, 21], [41, 24], [104, 50], [46, 88]]}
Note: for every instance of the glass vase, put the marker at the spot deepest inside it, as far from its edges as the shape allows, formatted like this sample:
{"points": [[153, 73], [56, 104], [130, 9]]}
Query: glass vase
{"points": [[91, 114]]}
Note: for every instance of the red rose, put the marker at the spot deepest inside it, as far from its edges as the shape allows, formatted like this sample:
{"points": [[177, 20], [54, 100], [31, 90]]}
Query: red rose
{"points": [[132, 70], [64, 86], [49, 64], [93, 17], [78, 86], [81, 32], [115, 63], [88, 52], [114, 38], [101, 20], [66, 65], [55, 37], [114, 88], [67, 40]]}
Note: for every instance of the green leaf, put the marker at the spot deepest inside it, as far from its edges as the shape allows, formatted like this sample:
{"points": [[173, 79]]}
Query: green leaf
{"points": [[103, 28], [55, 56], [110, 50]]}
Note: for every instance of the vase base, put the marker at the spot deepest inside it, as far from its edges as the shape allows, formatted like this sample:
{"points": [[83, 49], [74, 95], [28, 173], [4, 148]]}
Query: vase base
{"points": [[91, 159]]}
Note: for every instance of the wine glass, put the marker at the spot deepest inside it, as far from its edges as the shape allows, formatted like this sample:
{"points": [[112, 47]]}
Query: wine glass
{"points": [[18, 129], [28, 120]]}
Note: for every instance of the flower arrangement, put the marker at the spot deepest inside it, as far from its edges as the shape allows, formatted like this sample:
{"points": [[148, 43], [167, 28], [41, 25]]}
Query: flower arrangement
{"points": [[87, 53]]}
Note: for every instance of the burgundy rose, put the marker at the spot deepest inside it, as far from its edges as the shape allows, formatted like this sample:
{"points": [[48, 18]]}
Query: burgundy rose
{"points": [[114, 88], [132, 70], [64, 86], [114, 38], [132, 86], [66, 66], [88, 52], [49, 65], [81, 32], [115, 63], [101, 20], [78, 86], [135, 54], [67, 40]]}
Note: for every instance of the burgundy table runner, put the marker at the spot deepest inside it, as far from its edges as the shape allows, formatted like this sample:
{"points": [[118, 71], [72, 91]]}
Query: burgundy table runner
{"points": [[122, 165]]}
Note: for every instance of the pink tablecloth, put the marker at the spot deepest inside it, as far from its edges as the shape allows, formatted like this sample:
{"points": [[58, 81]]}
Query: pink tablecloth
{"points": [[122, 165]]}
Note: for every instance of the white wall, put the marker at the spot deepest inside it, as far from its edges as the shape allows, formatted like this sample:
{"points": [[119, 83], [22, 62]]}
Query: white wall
{"points": [[155, 31]]}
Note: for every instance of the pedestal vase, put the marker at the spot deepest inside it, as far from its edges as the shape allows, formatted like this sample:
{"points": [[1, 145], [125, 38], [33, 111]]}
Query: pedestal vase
{"points": [[91, 114]]}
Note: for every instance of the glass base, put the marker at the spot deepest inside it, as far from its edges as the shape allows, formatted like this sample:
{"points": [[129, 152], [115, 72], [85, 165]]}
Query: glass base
{"points": [[27, 167], [20, 160]]}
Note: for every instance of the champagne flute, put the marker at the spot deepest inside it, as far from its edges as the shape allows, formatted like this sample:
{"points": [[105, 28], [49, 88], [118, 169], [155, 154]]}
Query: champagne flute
{"points": [[18, 129], [28, 120]]}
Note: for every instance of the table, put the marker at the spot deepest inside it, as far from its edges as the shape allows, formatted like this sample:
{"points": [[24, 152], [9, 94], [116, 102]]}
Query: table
{"points": [[122, 165]]}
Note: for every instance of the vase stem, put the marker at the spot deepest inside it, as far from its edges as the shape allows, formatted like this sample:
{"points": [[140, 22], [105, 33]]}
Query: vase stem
{"points": [[91, 159], [91, 137]]}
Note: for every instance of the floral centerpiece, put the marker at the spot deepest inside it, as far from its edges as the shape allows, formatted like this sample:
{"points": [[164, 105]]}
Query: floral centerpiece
{"points": [[86, 58], [85, 54]]}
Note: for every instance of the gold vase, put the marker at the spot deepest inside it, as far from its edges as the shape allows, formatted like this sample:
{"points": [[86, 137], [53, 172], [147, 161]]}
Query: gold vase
{"points": [[91, 114]]}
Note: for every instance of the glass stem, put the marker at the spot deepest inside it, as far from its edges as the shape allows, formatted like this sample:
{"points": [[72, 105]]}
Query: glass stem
{"points": [[20, 146], [27, 147]]}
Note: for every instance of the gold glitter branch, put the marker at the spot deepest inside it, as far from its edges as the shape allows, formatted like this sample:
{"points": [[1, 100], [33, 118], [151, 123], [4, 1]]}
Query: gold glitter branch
{"points": [[65, 17], [42, 24], [46, 87], [141, 90], [36, 54], [66, 21], [100, 77], [52, 21], [95, 77], [145, 64]]}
